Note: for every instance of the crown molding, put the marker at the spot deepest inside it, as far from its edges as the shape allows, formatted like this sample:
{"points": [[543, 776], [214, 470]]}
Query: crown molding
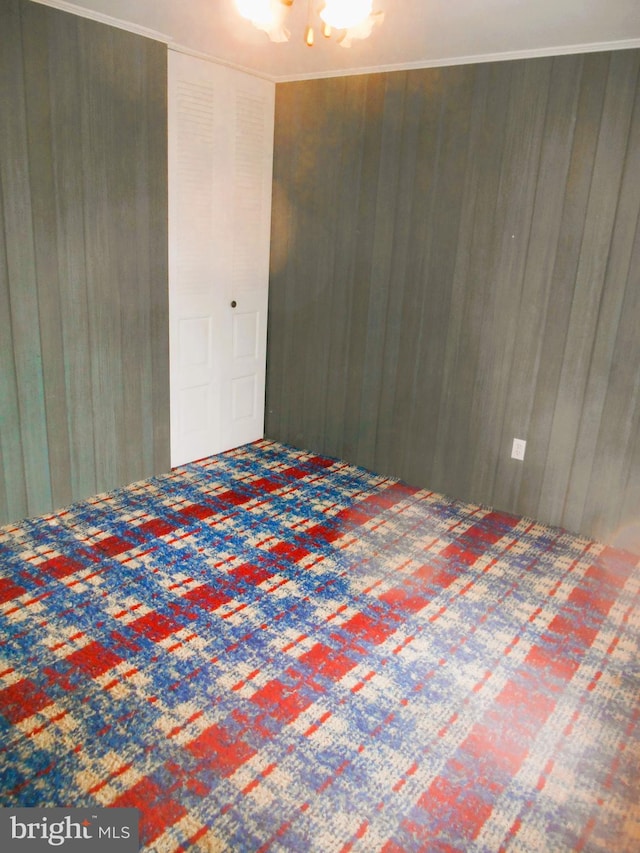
{"points": [[595, 47], [92, 15]]}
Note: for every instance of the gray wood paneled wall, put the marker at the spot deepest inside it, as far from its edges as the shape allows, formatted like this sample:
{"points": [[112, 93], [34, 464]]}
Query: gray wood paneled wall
{"points": [[455, 263], [84, 385]]}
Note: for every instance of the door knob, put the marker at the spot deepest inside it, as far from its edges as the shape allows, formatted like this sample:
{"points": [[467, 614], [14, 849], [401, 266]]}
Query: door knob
{"points": [[233, 303]]}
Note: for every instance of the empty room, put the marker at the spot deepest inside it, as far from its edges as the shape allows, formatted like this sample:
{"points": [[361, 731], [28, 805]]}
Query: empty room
{"points": [[320, 426]]}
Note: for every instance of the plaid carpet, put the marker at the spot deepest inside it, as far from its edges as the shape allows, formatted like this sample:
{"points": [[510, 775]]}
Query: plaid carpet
{"points": [[272, 651]]}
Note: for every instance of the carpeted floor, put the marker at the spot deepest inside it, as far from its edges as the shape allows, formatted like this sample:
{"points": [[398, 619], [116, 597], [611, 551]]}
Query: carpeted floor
{"points": [[272, 651]]}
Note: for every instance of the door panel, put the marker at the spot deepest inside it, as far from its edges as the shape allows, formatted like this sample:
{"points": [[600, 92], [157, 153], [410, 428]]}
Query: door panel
{"points": [[246, 368], [245, 335]]}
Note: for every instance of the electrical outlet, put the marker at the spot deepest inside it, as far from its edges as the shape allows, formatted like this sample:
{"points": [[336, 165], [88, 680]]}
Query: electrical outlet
{"points": [[518, 448]]}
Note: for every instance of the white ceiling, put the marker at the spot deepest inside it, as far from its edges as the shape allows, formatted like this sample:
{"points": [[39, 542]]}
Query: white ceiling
{"points": [[414, 34]]}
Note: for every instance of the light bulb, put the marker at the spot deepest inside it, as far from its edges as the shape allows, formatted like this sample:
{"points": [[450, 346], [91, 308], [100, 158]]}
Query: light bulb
{"points": [[344, 14], [256, 11]]}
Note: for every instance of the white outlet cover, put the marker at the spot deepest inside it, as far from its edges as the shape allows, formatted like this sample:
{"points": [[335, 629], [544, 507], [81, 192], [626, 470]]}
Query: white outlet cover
{"points": [[518, 448]]}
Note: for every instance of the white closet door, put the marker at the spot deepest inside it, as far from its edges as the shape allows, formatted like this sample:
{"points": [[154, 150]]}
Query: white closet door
{"points": [[220, 172]]}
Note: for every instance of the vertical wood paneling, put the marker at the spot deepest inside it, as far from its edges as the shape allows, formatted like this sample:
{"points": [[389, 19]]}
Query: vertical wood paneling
{"points": [[537, 250], [320, 235], [25, 357], [13, 487], [101, 250], [613, 386], [467, 275], [420, 120], [582, 148], [64, 65], [619, 422], [46, 325], [349, 97], [150, 261], [572, 402], [359, 411], [377, 268], [85, 333], [509, 294], [444, 194], [474, 277], [151, 257], [617, 219]]}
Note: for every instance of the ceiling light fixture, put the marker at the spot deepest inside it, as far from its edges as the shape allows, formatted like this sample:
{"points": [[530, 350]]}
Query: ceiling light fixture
{"points": [[350, 19]]}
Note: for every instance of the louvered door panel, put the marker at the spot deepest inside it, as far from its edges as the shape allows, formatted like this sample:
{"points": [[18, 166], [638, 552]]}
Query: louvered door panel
{"points": [[251, 205]]}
